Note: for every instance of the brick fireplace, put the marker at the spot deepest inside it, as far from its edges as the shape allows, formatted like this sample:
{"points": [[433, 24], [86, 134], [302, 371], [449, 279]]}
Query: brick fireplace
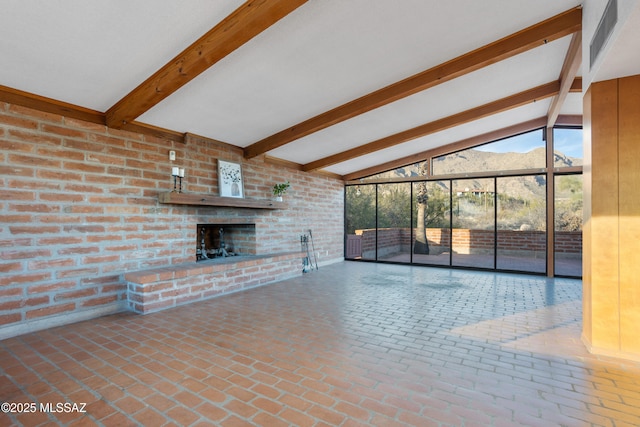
{"points": [[84, 233]]}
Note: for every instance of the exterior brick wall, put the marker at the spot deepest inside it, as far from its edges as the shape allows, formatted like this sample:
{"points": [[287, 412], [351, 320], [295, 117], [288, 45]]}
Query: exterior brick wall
{"points": [[79, 209], [569, 243], [465, 241]]}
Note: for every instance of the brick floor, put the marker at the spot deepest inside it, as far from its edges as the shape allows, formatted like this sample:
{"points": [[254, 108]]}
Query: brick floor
{"points": [[353, 344]]}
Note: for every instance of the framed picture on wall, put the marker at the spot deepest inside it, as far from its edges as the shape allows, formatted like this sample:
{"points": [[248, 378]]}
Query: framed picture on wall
{"points": [[230, 179]]}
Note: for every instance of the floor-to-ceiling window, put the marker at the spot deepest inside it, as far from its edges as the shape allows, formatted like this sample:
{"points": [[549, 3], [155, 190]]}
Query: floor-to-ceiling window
{"points": [[568, 157], [521, 223], [394, 222], [432, 222], [473, 223], [484, 207], [360, 222]]}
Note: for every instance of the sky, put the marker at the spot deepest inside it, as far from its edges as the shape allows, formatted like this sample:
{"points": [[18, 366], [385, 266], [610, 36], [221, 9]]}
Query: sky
{"points": [[567, 141]]}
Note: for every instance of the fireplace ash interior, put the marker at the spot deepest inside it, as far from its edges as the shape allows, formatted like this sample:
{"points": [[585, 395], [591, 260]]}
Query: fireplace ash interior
{"points": [[216, 241]]}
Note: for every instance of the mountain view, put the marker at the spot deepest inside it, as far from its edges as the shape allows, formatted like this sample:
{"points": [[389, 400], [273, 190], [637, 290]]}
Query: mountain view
{"points": [[522, 199], [476, 161]]}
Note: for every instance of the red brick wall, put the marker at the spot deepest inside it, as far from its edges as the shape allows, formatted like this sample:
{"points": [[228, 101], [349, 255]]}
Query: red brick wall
{"points": [[161, 288], [78, 209], [568, 242], [465, 241]]}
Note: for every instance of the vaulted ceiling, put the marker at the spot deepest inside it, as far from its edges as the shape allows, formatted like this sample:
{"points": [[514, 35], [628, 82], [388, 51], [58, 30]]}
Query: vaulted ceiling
{"points": [[347, 87]]}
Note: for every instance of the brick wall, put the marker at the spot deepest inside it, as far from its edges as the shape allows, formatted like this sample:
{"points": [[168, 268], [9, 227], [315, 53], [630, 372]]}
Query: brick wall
{"points": [[569, 244], [78, 209], [157, 289], [465, 241]]}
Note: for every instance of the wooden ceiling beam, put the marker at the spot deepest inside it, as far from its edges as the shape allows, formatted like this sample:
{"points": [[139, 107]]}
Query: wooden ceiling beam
{"points": [[155, 131], [567, 76], [504, 104], [551, 29], [49, 105], [246, 22], [577, 85], [569, 120]]}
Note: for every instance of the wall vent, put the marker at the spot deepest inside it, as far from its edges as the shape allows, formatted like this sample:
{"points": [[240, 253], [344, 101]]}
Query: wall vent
{"points": [[604, 30]]}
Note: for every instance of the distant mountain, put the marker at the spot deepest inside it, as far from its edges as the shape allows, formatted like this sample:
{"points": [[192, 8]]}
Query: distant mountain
{"points": [[482, 161], [476, 161]]}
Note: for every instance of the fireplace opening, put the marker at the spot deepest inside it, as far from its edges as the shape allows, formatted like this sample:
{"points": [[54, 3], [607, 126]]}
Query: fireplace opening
{"points": [[220, 241]]}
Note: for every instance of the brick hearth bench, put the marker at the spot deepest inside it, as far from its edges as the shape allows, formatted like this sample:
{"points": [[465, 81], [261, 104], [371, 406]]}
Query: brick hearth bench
{"points": [[157, 289]]}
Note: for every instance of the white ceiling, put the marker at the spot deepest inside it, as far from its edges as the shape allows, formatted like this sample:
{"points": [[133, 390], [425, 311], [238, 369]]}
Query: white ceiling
{"points": [[91, 53], [621, 56]]}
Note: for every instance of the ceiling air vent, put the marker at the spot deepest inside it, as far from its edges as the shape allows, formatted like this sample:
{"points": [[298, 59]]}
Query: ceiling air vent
{"points": [[604, 30]]}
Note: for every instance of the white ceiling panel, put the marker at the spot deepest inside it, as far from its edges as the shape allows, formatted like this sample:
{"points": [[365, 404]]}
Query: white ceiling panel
{"points": [[93, 52], [619, 62], [572, 105], [500, 80], [330, 52], [322, 55], [449, 136]]}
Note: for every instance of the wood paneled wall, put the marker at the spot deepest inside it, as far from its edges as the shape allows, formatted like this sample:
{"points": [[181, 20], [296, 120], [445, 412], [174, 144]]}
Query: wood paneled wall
{"points": [[611, 270], [629, 187]]}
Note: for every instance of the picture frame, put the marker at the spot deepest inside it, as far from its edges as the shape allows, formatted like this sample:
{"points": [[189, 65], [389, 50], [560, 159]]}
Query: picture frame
{"points": [[230, 180]]}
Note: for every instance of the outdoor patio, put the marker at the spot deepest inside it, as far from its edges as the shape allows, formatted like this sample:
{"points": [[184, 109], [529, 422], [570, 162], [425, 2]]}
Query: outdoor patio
{"points": [[352, 344]]}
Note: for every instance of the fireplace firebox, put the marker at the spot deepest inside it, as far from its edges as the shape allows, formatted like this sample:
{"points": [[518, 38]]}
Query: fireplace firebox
{"points": [[218, 241]]}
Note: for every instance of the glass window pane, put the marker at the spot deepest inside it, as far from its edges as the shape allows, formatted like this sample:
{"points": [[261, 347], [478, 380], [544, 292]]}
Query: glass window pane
{"points": [[454, 222], [431, 223], [408, 171], [394, 222], [568, 225], [525, 151], [473, 233], [522, 223], [567, 147], [360, 222]]}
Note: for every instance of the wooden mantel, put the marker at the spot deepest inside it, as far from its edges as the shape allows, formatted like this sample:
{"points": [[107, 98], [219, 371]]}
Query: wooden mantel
{"points": [[209, 200]]}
